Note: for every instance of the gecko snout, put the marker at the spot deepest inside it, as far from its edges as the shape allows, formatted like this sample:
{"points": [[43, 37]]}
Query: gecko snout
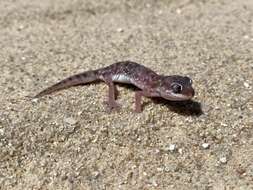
{"points": [[191, 93]]}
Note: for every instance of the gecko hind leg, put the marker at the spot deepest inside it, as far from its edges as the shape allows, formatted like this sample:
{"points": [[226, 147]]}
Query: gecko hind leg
{"points": [[111, 102], [138, 95]]}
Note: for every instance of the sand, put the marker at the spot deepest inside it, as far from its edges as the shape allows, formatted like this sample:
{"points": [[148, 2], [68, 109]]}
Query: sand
{"points": [[69, 141]]}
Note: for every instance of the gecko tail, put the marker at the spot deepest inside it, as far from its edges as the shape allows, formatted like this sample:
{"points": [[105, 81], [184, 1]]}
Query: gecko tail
{"points": [[79, 79]]}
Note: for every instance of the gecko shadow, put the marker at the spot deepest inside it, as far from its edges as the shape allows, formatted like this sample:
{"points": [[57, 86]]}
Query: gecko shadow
{"points": [[189, 107]]}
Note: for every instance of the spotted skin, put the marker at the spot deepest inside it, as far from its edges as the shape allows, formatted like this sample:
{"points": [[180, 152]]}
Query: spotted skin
{"points": [[149, 83]]}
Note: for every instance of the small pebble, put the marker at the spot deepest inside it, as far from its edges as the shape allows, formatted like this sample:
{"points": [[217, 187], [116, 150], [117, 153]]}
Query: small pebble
{"points": [[246, 84], [70, 120], [120, 30], [154, 183], [95, 174], [224, 124], [223, 160], [34, 100], [21, 27], [1, 131], [246, 37], [156, 151], [217, 108], [148, 5], [205, 145], [172, 147], [179, 11]]}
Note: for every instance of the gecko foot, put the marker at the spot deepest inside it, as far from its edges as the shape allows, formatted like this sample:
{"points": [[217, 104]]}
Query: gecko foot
{"points": [[112, 106], [137, 110]]}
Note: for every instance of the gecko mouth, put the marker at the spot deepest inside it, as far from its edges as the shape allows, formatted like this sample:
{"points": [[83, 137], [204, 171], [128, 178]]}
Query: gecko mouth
{"points": [[178, 97]]}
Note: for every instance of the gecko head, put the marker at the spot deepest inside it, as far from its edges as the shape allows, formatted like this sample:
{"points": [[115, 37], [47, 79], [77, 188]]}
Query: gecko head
{"points": [[176, 88]]}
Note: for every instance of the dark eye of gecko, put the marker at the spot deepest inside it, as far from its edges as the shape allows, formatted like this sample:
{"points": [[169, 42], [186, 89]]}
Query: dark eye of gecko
{"points": [[176, 88]]}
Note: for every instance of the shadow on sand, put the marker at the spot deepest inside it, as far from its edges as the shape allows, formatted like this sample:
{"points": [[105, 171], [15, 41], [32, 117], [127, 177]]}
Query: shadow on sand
{"points": [[189, 107]]}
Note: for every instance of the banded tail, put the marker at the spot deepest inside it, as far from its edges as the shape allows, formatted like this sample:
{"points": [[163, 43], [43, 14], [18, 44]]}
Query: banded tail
{"points": [[79, 79]]}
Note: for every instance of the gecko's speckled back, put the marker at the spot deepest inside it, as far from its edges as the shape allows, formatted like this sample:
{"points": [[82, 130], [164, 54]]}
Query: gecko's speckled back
{"points": [[130, 72]]}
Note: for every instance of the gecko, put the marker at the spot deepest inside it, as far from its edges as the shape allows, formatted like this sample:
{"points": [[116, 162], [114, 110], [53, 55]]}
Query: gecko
{"points": [[148, 82]]}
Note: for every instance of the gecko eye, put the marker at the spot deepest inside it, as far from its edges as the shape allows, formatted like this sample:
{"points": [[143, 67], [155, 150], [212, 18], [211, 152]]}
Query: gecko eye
{"points": [[176, 88]]}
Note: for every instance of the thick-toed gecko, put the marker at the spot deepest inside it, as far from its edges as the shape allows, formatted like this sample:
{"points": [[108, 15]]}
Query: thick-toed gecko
{"points": [[149, 83]]}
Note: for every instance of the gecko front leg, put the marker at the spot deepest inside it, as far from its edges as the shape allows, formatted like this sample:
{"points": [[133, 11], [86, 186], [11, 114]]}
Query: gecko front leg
{"points": [[138, 96]]}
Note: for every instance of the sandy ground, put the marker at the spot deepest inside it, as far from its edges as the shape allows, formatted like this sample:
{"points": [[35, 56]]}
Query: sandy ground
{"points": [[69, 141]]}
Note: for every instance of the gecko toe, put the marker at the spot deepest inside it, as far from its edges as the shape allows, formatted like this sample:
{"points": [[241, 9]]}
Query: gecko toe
{"points": [[112, 106]]}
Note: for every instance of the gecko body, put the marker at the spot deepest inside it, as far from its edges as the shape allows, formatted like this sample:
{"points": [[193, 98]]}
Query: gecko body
{"points": [[149, 83]]}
